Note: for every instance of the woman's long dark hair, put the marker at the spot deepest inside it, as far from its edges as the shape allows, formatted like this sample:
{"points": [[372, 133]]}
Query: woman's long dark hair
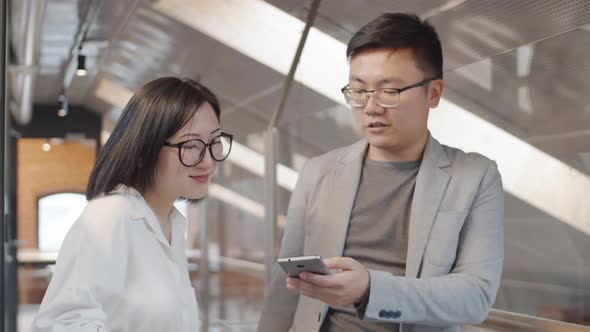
{"points": [[155, 113]]}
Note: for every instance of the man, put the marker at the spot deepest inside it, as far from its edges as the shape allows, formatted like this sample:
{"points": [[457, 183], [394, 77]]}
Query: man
{"points": [[414, 229]]}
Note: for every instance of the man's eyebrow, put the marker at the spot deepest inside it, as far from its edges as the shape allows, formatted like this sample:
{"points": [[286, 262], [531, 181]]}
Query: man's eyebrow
{"points": [[392, 79]]}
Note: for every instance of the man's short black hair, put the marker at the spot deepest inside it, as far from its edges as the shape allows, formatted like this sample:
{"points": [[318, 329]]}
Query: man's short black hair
{"points": [[397, 30]]}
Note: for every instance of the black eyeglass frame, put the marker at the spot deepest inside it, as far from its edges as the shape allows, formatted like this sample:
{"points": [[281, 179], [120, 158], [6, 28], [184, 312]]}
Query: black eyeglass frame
{"points": [[208, 146], [399, 91]]}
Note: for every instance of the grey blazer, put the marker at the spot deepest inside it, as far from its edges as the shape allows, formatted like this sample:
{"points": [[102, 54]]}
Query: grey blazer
{"points": [[455, 251]]}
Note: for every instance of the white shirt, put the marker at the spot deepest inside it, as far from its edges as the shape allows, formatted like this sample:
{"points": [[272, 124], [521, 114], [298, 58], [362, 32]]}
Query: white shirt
{"points": [[117, 272]]}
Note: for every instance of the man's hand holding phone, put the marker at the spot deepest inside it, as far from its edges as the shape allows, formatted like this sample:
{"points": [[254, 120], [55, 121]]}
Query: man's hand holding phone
{"points": [[345, 288]]}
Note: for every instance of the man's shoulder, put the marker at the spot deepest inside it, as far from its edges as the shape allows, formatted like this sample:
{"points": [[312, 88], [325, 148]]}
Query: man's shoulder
{"points": [[328, 160], [466, 162]]}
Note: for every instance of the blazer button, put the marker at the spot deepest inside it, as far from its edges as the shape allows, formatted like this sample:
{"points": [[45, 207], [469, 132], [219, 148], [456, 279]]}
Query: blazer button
{"points": [[396, 314], [382, 314]]}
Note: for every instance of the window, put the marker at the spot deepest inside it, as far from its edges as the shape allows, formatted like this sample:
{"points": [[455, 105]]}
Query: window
{"points": [[56, 214]]}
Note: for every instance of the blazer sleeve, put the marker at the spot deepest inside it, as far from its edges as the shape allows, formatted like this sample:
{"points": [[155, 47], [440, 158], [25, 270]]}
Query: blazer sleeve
{"points": [[280, 303], [89, 274], [466, 294]]}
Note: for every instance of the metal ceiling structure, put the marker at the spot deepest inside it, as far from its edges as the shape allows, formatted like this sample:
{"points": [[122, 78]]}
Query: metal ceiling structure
{"points": [[130, 42]]}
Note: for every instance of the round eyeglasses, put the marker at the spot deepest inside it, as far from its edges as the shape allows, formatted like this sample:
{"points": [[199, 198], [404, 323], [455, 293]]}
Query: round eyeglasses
{"points": [[192, 152], [385, 97]]}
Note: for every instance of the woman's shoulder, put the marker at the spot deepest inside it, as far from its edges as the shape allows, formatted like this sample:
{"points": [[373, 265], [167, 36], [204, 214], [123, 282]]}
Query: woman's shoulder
{"points": [[110, 205], [107, 213]]}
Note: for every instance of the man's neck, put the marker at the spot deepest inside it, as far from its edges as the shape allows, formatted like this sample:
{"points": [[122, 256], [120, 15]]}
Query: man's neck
{"points": [[409, 153]]}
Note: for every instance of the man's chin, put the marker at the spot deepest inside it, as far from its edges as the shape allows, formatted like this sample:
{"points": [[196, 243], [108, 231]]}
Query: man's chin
{"points": [[383, 143]]}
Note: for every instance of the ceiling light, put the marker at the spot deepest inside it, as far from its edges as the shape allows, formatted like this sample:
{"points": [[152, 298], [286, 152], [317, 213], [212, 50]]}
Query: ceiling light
{"points": [[63, 109], [81, 69], [46, 146]]}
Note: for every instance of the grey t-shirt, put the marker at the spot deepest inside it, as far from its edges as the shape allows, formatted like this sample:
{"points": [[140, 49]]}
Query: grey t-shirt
{"points": [[377, 235]]}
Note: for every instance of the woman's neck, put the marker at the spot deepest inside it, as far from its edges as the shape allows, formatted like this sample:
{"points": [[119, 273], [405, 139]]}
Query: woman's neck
{"points": [[161, 207]]}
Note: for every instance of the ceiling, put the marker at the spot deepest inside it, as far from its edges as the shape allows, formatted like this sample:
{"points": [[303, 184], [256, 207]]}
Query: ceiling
{"points": [[545, 104]]}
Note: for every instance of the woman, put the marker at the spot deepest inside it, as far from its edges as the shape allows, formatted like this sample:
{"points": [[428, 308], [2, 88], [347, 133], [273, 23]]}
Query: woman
{"points": [[122, 266]]}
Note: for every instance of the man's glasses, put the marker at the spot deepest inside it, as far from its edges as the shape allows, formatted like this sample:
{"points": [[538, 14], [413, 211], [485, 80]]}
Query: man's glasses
{"points": [[193, 151], [385, 97]]}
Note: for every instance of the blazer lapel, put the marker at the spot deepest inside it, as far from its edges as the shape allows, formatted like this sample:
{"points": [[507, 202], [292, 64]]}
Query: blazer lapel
{"points": [[431, 184], [345, 181]]}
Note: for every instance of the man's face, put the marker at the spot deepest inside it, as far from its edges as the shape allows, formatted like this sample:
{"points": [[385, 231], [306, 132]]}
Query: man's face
{"points": [[392, 132]]}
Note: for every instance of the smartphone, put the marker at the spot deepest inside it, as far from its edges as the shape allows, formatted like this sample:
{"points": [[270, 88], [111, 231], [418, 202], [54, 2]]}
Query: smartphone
{"points": [[295, 265]]}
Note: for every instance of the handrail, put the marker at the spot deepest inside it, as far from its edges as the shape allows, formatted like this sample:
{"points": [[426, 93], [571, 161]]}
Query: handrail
{"points": [[496, 321], [38, 257], [500, 321]]}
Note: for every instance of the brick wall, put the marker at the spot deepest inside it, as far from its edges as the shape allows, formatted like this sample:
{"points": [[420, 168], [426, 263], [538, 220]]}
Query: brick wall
{"points": [[66, 167]]}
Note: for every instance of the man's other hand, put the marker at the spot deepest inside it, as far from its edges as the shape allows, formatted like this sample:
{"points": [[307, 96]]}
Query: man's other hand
{"points": [[345, 288]]}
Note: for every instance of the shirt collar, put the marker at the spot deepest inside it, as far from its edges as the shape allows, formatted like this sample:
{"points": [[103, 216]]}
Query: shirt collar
{"points": [[140, 210]]}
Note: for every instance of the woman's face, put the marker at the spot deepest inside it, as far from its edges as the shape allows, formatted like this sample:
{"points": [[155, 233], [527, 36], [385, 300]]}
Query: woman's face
{"points": [[175, 180]]}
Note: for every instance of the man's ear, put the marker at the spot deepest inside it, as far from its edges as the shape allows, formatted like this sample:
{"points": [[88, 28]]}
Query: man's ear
{"points": [[435, 91]]}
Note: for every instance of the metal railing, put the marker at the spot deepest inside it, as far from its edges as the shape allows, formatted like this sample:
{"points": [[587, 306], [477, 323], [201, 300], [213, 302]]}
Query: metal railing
{"points": [[500, 321]]}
